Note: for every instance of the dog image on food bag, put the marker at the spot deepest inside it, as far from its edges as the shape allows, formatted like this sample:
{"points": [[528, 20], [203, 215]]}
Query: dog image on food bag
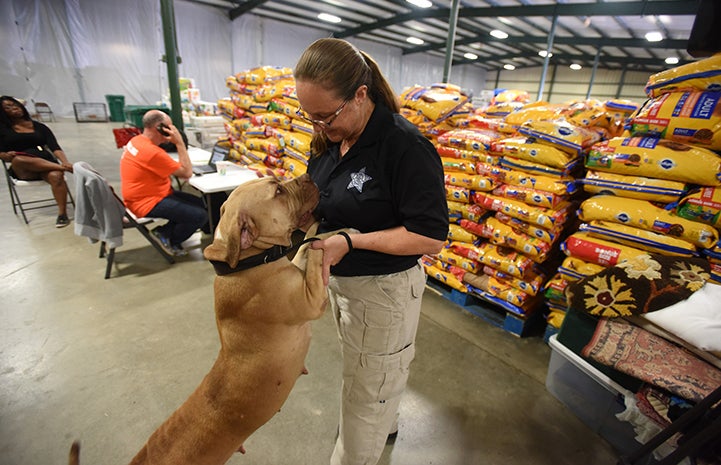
{"points": [[263, 324]]}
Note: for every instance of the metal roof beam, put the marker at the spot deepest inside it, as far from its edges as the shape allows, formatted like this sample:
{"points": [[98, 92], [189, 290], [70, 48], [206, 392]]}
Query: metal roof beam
{"points": [[568, 58], [593, 41], [244, 8], [636, 8]]}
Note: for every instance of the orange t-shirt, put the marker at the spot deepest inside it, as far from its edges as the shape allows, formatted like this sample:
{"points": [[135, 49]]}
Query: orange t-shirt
{"points": [[145, 171]]}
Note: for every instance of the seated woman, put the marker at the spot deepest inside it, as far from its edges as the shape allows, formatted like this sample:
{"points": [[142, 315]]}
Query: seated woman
{"points": [[33, 152]]}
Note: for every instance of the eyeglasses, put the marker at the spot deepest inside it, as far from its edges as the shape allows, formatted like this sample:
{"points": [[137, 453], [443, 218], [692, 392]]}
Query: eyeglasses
{"points": [[320, 123]]}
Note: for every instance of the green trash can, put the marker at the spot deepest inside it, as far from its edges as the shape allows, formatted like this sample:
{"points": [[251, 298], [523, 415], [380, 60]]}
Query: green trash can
{"points": [[116, 104], [134, 113]]}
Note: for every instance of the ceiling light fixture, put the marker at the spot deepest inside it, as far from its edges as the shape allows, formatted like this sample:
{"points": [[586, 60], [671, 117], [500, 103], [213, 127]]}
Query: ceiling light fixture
{"points": [[509, 67], [415, 41], [498, 34], [329, 18], [654, 36], [543, 53], [470, 56], [505, 20], [671, 61], [575, 66], [420, 3]]}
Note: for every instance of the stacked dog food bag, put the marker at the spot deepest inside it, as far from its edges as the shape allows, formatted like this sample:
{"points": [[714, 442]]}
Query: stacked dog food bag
{"points": [[657, 187], [509, 189], [265, 131]]}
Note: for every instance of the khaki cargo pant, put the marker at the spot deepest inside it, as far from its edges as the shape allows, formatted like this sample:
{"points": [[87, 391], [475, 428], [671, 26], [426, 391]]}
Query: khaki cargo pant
{"points": [[377, 320]]}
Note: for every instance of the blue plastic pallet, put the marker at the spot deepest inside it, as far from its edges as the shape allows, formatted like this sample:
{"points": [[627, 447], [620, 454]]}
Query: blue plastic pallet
{"points": [[550, 331], [489, 312]]}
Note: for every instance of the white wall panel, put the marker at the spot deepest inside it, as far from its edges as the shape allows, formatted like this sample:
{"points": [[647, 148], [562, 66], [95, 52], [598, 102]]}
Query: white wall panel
{"points": [[65, 51]]}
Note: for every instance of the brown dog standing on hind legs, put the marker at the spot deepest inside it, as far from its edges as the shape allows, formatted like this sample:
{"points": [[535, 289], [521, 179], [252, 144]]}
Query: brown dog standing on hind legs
{"points": [[263, 307]]}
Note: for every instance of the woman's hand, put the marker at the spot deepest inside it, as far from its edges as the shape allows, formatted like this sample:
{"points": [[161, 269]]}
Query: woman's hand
{"points": [[334, 249]]}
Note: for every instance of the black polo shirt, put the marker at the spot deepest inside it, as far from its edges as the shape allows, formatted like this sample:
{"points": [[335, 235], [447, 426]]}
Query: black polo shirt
{"points": [[392, 176]]}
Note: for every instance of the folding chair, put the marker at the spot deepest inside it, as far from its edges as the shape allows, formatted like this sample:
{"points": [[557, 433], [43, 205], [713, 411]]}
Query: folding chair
{"points": [[14, 184], [131, 221], [102, 216], [42, 110]]}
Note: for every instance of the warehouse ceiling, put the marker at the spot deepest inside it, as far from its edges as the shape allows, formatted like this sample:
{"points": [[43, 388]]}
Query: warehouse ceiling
{"points": [[611, 32]]}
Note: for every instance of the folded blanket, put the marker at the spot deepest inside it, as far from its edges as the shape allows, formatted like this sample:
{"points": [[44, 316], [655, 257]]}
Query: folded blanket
{"points": [[639, 285], [641, 354]]}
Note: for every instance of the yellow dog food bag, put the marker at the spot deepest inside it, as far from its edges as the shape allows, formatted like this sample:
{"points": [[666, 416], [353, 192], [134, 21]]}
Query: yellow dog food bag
{"points": [[555, 290], [530, 196], [494, 124], [458, 194], [527, 149], [701, 75], [639, 238], [635, 187], [465, 249], [457, 233], [281, 106], [263, 74], [511, 95], [458, 211], [447, 256], [656, 158], [645, 215], [503, 109], [687, 117], [703, 205], [469, 139], [538, 168], [544, 217], [472, 155], [541, 112], [574, 268], [505, 259], [445, 277], [294, 167], [436, 103], [502, 234], [549, 235], [469, 181], [562, 134], [500, 175], [458, 165], [531, 283]]}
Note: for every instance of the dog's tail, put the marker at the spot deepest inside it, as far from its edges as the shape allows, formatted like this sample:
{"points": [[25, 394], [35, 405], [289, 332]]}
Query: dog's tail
{"points": [[74, 454]]}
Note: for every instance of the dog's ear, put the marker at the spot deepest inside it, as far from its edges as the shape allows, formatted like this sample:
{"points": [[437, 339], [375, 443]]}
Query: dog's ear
{"points": [[231, 238], [248, 231]]}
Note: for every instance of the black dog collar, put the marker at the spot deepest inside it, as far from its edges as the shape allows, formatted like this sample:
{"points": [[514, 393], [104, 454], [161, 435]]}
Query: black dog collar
{"points": [[270, 255]]}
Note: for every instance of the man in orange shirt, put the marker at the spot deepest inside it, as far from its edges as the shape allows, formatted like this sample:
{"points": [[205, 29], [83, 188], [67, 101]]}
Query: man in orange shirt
{"points": [[145, 171]]}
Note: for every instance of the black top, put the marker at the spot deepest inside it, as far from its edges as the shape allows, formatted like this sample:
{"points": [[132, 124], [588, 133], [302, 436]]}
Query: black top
{"points": [[392, 176], [28, 142]]}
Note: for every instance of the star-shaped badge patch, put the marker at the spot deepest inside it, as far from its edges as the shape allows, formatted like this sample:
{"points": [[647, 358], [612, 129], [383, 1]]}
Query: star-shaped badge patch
{"points": [[358, 179]]}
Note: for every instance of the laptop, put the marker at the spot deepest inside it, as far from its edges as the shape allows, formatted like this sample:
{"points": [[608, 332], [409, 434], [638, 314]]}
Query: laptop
{"points": [[219, 153]]}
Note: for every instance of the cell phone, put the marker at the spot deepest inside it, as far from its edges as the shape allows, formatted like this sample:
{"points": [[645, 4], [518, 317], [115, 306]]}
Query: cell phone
{"points": [[163, 129]]}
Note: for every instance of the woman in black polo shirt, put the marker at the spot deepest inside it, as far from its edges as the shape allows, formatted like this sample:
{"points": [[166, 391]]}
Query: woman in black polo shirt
{"points": [[379, 175]]}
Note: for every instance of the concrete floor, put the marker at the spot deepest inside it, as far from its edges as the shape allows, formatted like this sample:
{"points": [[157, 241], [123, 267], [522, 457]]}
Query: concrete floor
{"points": [[106, 361]]}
